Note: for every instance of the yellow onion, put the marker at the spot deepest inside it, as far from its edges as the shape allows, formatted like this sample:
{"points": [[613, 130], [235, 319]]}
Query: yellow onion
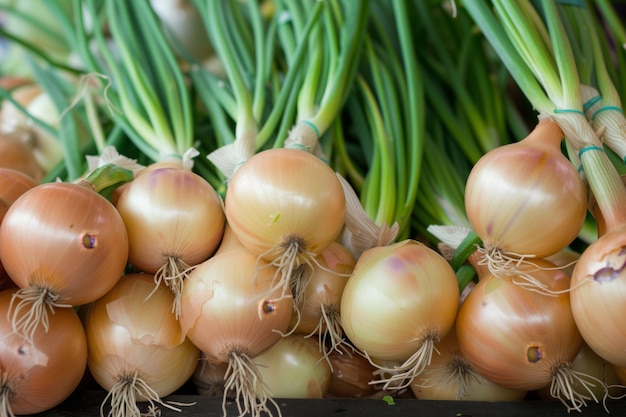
{"points": [[208, 378], [228, 311], [174, 219], [512, 190], [137, 350], [294, 367], [399, 302], [38, 374], [598, 294], [523, 339], [319, 312], [351, 376], [285, 205], [15, 154], [450, 377], [63, 244]]}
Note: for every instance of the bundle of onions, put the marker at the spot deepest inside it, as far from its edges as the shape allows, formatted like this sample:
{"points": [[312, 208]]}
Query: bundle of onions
{"points": [[399, 302], [285, 206], [64, 245], [319, 313], [38, 374], [450, 377], [510, 190], [174, 219], [228, 311], [137, 350], [524, 340]]}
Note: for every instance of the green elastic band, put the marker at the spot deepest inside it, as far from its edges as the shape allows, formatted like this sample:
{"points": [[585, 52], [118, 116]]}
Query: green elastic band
{"points": [[589, 148], [569, 111], [603, 108], [312, 126], [591, 102]]}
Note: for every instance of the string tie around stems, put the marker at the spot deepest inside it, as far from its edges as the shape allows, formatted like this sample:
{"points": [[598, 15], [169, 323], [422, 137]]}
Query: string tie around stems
{"points": [[569, 111], [588, 148], [591, 102]]}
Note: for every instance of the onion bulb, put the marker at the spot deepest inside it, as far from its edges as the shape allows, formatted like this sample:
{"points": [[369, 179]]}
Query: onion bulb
{"points": [[399, 302], [294, 367], [17, 155], [598, 295], [511, 192], [137, 350], [285, 206], [174, 219], [38, 374], [450, 377], [64, 245], [319, 313], [351, 376], [522, 339], [229, 313]]}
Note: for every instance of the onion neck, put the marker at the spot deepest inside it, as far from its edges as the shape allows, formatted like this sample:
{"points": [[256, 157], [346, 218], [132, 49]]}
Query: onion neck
{"points": [[105, 179]]}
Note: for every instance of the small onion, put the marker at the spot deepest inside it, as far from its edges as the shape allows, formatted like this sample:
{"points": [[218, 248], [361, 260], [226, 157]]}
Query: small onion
{"points": [[523, 339], [174, 219], [137, 350], [63, 244], [38, 374], [294, 367], [399, 302], [228, 311], [319, 313], [351, 376], [285, 205], [512, 188]]}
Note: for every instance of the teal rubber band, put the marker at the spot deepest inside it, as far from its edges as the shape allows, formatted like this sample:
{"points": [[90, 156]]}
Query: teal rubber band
{"points": [[591, 102], [589, 148], [580, 169], [579, 3], [569, 111], [603, 108], [312, 126]]}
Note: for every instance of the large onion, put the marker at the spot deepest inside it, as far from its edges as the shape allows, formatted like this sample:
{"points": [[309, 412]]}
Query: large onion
{"points": [[511, 190], [174, 219], [38, 374], [137, 351], [399, 302], [285, 205], [229, 312], [523, 339], [63, 244]]}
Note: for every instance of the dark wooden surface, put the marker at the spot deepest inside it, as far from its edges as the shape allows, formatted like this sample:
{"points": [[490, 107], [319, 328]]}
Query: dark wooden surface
{"points": [[87, 404]]}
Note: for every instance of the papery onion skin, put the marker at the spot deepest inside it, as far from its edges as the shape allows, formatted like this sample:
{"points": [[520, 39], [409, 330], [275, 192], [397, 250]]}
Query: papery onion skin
{"points": [[396, 296], [170, 212], [598, 296], [511, 189], [128, 332], [66, 238], [501, 325], [226, 307], [294, 367], [44, 374], [281, 194]]}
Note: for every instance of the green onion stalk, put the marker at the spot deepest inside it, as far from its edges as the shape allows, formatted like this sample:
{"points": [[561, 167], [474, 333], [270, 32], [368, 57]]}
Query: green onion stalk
{"points": [[534, 46], [139, 80], [384, 116]]}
